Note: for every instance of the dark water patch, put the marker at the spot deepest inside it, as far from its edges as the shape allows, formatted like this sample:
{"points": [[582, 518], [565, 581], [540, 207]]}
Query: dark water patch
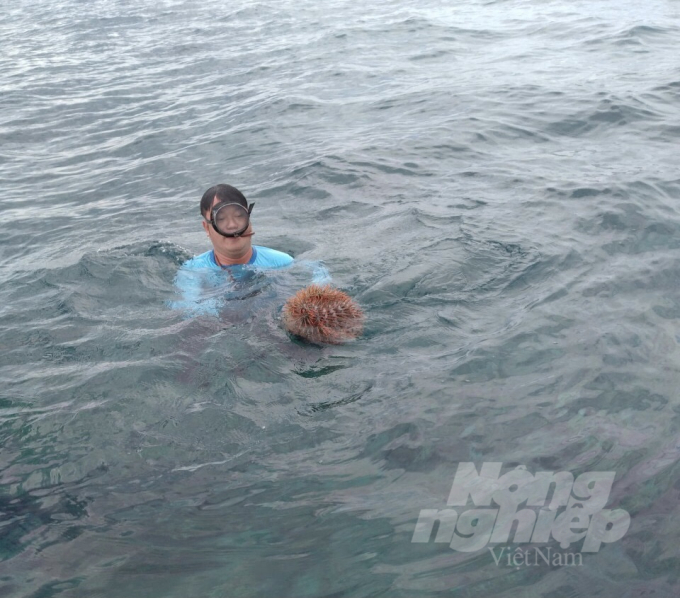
{"points": [[637, 38], [667, 94], [505, 264], [315, 407], [635, 196], [419, 458], [390, 168], [463, 273], [588, 192], [349, 212], [640, 35], [500, 132], [630, 226], [322, 370], [438, 221], [101, 287], [608, 112], [622, 217], [304, 566], [619, 399], [432, 56], [308, 192], [555, 292], [377, 443], [668, 312], [93, 321], [513, 429], [485, 365], [653, 481], [652, 237], [26, 515], [665, 132], [104, 278]]}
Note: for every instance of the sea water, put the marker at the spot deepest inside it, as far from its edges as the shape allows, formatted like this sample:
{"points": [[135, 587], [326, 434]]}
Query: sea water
{"points": [[494, 182]]}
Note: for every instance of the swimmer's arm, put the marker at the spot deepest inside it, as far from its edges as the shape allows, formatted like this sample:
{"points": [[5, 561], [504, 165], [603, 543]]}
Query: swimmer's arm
{"points": [[192, 302], [319, 272], [278, 260]]}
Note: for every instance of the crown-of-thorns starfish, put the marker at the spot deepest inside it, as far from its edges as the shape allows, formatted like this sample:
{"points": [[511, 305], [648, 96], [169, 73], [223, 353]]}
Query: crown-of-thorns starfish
{"points": [[323, 314]]}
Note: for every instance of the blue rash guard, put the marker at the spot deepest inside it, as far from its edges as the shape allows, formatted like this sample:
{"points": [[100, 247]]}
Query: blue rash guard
{"points": [[263, 257], [200, 272]]}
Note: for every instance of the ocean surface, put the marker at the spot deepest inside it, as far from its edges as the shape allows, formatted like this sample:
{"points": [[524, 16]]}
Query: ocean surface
{"points": [[496, 183]]}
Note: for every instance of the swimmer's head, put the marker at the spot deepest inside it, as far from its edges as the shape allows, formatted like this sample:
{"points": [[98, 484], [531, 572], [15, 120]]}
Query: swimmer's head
{"points": [[223, 194], [230, 246]]}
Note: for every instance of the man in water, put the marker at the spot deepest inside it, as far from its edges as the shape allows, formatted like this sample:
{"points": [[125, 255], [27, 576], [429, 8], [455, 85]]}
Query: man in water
{"points": [[226, 221]]}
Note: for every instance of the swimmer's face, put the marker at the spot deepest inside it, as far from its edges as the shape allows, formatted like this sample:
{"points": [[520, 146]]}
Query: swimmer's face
{"points": [[228, 246]]}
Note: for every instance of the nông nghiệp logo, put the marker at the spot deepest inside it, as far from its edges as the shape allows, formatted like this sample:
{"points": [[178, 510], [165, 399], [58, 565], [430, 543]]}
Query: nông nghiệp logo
{"points": [[543, 505]]}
